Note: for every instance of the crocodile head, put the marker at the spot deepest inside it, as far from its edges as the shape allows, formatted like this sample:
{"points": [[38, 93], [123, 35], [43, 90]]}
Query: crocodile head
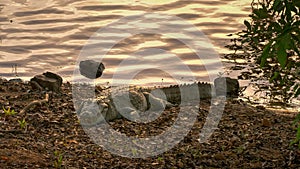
{"points": [[91, 113]]}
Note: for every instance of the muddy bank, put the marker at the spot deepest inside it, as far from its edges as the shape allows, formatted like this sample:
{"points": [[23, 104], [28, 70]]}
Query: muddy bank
{"points": [[246, 137]]}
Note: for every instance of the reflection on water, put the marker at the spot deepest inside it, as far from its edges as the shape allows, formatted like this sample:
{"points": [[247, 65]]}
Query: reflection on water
{"points": [[49, 34]]}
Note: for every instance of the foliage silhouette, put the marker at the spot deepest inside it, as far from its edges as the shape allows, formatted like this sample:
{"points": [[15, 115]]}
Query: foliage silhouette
{"points": [[271, 42]]}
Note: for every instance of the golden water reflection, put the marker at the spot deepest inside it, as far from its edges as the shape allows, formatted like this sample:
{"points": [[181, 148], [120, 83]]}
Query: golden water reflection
{"points": [[48, 35]]}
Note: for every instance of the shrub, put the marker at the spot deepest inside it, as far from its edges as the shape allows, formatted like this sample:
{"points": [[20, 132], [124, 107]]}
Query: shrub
{"points": [[272, 41]]}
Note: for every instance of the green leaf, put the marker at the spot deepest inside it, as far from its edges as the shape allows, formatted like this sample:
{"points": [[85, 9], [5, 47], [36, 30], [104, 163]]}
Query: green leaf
{"points": [[295, 88], [282, 56], [248, 25], [288, 12], [275, 76], [297, 92], [265, 54], [261, 13], [297, 3], [298, 133], [276, 3], [255, 40], [277, 27], [256, 12], [296, 24], [287, 40], [297, 119]]}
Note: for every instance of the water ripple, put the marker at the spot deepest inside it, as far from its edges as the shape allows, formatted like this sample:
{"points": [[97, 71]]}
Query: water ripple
{"points": [[50, 34]]}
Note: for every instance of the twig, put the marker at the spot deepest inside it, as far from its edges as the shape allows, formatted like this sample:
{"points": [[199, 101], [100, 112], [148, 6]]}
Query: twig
{"points": [[33, 103], [11, 131]]}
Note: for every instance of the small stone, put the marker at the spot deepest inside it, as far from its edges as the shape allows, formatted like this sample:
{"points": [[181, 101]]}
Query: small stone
{"points": [[2, 89], [266, 123], [220, 156], [2, 80], [91, 69], [180, 164], [260, 107]]}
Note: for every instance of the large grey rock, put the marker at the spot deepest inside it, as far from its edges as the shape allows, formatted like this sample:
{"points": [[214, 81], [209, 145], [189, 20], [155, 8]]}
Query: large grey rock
{"points": [[91, 69], [226, 86], [47, 81]]}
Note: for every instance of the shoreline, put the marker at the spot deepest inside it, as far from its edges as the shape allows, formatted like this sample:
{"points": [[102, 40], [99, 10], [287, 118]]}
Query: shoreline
{"points": [[246, 137], [270, 105]]}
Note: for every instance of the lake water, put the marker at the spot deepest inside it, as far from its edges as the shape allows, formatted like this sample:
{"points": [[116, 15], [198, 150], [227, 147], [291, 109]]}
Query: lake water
{"points": [[48, 35]]}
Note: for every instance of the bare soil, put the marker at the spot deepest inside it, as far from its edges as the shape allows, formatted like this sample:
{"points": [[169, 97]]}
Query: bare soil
{"points": [[246, 137]]}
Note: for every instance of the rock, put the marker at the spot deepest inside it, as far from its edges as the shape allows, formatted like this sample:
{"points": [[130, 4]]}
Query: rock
{"points": [[2, 81], [226, 86], [47, 81], [54, 76], [16, 80], [260, 107], [2, 89], [220, 156], [91, 69], [266, 123]]}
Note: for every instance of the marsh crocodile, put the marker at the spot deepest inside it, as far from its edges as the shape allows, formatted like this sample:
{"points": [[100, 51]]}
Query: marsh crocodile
{"points": [[131, 102]]}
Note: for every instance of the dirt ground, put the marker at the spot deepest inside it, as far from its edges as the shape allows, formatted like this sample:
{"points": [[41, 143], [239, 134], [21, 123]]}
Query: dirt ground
{"points": [[246, 137]]}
